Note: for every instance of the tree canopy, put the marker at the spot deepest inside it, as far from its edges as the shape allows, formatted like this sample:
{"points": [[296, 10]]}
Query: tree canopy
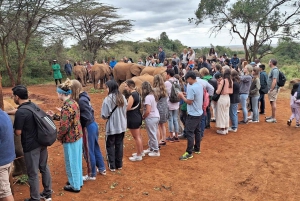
{"points": [[255, 22]]}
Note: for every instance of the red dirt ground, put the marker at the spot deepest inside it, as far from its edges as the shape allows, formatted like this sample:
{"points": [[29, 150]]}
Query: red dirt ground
{"points": [[259, 162]]}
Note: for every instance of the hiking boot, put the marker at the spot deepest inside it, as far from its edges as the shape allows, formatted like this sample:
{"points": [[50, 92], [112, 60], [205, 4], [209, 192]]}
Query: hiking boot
{"points": [[176, 139], [136, 158], [243, 122], [154, 153], [70, 189], [88, 178], [289, 122], [272, 120], [186, 156], [230, 129]]}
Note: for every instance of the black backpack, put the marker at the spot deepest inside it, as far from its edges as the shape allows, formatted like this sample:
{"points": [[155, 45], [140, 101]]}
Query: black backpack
{"points": [[173, 98], [46, 129], [281, 79]]}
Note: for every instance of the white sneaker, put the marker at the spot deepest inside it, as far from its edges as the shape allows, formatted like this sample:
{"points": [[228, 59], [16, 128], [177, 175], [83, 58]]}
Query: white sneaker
{"points": [[135, 154], [232, 130], [88, 178], [136, 158], [154, 153], [251, 121], [147, 151], [271, 120], [221, 132]]}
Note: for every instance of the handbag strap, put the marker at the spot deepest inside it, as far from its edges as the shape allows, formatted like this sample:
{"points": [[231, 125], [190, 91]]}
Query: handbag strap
{"points": [[222, 87], [112, 112]]}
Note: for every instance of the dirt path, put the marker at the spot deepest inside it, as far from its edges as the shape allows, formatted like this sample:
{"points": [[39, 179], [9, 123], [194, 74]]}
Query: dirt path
{"points": [[259, 162]]}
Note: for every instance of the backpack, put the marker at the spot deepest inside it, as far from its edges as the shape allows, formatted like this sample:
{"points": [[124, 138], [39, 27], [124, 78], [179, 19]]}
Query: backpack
{"points": [[46, 129], [281, 79], [173, 98], [205, 99]]}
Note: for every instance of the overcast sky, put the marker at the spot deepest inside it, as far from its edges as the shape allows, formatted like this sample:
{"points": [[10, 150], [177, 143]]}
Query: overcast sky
{"points": [[151, 17]]}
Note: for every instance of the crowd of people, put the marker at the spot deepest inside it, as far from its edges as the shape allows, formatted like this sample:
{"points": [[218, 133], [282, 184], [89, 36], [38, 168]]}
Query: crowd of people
{"points": [[195, 92]]}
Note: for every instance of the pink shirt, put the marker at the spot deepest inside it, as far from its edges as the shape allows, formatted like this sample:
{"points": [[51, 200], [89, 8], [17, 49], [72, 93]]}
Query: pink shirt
{"points": [[168, 85]]}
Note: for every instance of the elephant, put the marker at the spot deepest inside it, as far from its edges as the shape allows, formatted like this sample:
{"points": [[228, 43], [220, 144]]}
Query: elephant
{"points": [[100, 72], [154, 71], [80, 74], [124, 71], [138, 80], [19, 164]]}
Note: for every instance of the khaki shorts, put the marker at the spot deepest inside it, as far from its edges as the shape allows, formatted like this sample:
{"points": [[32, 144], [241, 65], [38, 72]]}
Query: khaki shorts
{"points": [[273, 95], [5, 190]]}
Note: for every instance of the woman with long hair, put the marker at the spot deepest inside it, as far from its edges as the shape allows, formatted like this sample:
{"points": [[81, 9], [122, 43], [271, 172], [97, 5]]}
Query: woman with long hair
{"points": [[225, 87], [254, 94], [151, 116], [134, 119], [162, 106], [245, 85], [91, 148], [70, 135], [113, 110], [234, 101]]}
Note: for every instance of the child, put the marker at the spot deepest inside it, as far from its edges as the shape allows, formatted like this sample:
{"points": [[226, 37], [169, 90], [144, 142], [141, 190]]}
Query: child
{"points": [[151, 116], [295, 107]]}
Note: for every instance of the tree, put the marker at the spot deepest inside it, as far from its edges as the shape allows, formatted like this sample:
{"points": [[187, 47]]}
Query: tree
{"points": [[94, 25], [20, 21], [255, 22]]}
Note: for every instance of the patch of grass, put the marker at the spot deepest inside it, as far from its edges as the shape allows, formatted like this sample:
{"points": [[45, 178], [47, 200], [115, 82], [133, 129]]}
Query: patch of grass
{"points": [[23, 179], [94, 91]]}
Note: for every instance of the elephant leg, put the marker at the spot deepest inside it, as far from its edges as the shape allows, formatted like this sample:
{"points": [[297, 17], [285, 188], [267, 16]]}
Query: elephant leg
{"points": [[19, 164], [82, 81], [101, 83]]}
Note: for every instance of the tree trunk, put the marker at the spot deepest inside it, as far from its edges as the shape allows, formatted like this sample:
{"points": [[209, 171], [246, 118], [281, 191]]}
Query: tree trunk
{"points": [[21, 64], [1, 94], [246, 50], [9, 72], [94, 55]]}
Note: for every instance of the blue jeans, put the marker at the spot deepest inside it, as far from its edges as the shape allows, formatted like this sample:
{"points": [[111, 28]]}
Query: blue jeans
{"points": [[173, 121], [202, 125], [262, 103], [233, 115], [254, 101], [243, 98], [92, 152]]}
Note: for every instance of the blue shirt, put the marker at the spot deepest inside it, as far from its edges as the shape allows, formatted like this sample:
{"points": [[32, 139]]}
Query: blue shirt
{"points": [[112, 63], [7, 146], [195, 93]]}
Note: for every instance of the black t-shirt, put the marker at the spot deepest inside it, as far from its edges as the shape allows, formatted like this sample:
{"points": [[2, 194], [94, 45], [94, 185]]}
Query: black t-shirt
{"points": [[24, 120], [235, 96]]}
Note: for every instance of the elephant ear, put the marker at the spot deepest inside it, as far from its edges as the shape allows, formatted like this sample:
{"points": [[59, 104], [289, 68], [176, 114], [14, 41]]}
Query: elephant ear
{"points": [[136, 69]]}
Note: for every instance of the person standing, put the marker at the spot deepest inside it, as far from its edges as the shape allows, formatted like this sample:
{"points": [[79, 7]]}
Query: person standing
{"points": [[173, 107], [113, 110], [7, 156], [56, 72], [184, 59], [162, 106], [176, 59], [134, 119], [194, 100], [70, 135], [295, 106], [35, 155], [234, 101], [254, 95], [263, 88], [161, 55], [235, 62], [245, 85], [112, 63], [225, 88], [68, 68], [151, 117], [91, 148], [273, 89]]}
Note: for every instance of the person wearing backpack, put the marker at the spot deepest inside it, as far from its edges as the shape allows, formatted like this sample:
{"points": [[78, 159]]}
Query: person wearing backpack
{"points": [[35, 155], [273, 89], [172, 87]]}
